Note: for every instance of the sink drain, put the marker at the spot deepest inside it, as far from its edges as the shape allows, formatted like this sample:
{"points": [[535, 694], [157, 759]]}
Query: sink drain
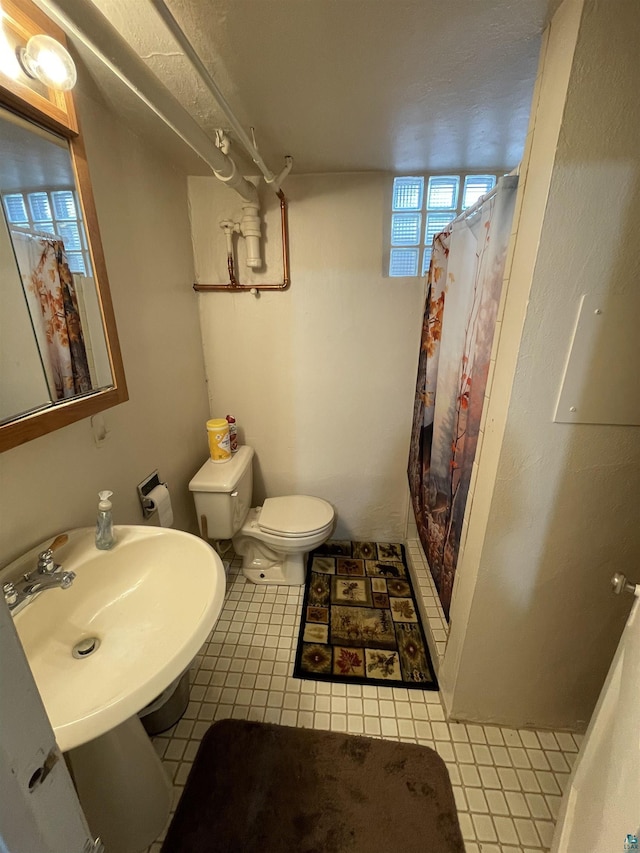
{"points": [[85, 647]]}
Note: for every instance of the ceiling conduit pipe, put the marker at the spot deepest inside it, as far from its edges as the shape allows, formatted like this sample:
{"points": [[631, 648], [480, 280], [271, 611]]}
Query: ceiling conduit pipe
{"points": [[83, 21], [179, 35]]}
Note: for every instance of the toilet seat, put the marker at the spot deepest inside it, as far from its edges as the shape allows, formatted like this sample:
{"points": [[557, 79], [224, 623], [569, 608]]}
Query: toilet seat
{"points": [[295, 516]]}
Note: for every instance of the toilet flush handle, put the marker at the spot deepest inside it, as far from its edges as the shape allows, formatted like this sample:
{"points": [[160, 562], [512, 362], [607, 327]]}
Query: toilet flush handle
{"points": [[234, 494]]}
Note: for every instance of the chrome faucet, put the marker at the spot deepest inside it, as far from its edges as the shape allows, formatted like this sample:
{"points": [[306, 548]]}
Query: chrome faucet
{"points": [[47, 575]]}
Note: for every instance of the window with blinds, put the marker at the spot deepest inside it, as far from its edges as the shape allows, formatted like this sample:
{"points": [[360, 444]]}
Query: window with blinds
{"points": [[55, 212], [418, 215]]}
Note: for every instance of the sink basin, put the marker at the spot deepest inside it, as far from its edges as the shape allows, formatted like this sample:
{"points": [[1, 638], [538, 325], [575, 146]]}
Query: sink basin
{"points": [[150, 602]]}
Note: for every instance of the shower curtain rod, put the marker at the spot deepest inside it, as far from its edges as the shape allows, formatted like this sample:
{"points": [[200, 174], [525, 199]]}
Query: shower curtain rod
{"points": [[478, 204]]}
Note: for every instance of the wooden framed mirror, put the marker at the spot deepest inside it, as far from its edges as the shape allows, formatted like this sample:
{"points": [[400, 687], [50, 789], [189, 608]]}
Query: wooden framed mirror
{"points": [[60, 359]]}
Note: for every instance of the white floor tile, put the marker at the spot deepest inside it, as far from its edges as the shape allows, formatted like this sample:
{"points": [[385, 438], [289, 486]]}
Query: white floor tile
{"points": [[440, 731], [529, 739], [506, 830], [476, 800], [423, 730], [444, 750], [538, 759], [493, 735], [458, 732], [545, 831], [464, 753], [489, 776], [511, 737], [482, 754], [389, 727], [548, 740], [406, 729], [527, 832], [470, 776], [355, 724], [528, 780], [501, 756], [338, 722], [484, 827], [476, 734], [517, 804], [466, 826], [372, 725], [461, 800], [496, 802], [557, 762], [509, 779], [322, 721]]}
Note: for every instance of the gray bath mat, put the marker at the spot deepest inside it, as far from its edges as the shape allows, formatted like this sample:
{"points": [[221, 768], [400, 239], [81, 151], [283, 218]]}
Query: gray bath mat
{"points": [[262, 788]]}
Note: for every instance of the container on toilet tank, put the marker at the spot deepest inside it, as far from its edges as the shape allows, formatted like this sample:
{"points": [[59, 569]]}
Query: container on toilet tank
{"points": [[219, 441]]}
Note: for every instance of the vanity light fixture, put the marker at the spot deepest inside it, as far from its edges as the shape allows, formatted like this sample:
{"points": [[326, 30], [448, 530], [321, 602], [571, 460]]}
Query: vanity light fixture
{"points": [[47, 60]]}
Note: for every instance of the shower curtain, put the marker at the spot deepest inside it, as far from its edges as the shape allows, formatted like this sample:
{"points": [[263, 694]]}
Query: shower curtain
{"points": [[464, 285], [49, 289]]}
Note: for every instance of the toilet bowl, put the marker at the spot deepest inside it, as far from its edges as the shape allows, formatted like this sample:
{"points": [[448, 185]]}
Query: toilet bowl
{"points": [[276, 537], [273, 539]]}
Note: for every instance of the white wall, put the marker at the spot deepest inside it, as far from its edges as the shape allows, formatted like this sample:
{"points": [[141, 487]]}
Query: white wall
{"points": [[51, 484], [320, 378], [555, 508]]}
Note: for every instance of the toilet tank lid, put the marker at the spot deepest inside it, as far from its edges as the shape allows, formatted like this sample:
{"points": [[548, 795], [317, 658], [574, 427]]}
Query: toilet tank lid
{"points": [[222, 476]]}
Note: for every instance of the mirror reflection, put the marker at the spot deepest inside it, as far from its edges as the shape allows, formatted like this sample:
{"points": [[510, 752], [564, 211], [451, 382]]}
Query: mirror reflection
{"points": [[52, 339]]}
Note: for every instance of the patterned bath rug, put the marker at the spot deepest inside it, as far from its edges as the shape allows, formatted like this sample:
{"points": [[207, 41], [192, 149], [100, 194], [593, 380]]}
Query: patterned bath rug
{"points": [[360, 621]]}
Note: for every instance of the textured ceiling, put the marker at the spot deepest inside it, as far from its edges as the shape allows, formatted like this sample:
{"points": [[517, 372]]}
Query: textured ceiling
{"points": [[354, 85]]}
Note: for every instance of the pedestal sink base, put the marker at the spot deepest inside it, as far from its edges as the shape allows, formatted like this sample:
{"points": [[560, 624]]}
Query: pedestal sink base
{"points": [[123, 787]]}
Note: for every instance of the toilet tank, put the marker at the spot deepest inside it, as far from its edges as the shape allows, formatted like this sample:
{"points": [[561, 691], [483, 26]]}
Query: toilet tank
{"points": [[222, 494]]}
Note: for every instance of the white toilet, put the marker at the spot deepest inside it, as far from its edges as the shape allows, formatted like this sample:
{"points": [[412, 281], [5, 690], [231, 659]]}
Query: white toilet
{"points": [[273, 539]]}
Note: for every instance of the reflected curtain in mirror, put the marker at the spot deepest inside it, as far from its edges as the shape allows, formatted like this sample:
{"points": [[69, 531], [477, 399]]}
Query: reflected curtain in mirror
{"points": [[53, 305]]}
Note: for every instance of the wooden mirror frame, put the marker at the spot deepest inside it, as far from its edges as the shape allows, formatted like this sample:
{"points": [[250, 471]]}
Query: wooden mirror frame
{"points": [[57, 113]]}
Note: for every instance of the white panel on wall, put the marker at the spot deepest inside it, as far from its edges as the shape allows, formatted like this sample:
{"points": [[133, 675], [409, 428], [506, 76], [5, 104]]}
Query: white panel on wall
{"points": [[601, 372]]}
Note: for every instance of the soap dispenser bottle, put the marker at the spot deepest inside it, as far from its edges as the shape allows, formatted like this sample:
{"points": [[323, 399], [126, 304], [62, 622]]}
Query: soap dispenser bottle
{"points": [[105, 539]]}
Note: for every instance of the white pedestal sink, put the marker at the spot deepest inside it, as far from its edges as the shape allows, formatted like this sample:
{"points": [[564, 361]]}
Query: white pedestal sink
{"points": [[150, 603]]}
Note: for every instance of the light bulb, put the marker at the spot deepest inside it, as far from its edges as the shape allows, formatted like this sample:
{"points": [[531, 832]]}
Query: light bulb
{"points": [[47, 60]]}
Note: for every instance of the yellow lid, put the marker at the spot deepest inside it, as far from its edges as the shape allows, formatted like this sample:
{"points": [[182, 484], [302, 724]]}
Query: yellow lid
{"points": [[217, 423]]}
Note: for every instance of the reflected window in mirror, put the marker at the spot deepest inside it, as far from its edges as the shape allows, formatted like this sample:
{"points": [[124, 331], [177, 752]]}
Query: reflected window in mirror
{"points": [[51, 211]]}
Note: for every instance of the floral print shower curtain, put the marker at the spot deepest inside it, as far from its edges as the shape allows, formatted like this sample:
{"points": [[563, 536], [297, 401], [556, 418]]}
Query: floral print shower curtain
{"points": [[464, 286], [50, 293]]}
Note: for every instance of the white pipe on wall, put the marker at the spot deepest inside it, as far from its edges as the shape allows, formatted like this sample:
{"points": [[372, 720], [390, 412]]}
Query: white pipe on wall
{"points": [[250, 228], [83, 21]]}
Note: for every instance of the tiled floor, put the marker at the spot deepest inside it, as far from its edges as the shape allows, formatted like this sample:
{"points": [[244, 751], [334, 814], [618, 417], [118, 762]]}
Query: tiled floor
{"points": [[507, 783]]}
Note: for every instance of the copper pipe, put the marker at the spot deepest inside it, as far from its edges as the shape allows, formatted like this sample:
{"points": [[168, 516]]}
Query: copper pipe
{"points": [[234, 286], [233, 282]]}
